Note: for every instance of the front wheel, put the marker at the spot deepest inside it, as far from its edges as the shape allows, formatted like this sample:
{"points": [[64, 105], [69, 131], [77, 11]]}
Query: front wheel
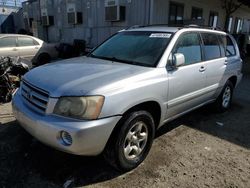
{"points": [[132, 142], [223, 102]]}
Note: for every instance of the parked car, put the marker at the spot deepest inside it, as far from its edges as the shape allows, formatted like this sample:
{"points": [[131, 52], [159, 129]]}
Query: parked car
{"points": [[27, 47], [113, 100]]}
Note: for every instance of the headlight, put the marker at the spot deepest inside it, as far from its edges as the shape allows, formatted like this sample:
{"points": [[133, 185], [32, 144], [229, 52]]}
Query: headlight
{"points": [[79, 107]]}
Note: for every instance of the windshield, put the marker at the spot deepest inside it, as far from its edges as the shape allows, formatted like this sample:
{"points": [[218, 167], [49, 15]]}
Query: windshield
{"points": [[134, 47]]}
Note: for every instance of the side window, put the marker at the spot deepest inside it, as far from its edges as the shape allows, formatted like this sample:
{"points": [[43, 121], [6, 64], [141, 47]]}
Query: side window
{"points": [[229, 46], [25, 41], [189, 45], [35, 42], [211, 46], [7, 42], [222, 46]]}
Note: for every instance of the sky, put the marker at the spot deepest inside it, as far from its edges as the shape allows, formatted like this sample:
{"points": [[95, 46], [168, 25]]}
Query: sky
{"points": [[11, 2]]}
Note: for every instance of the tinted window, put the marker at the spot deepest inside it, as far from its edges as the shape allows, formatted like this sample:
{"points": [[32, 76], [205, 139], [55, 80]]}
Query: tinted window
{"points": [[137, 47], [211, 46], [7, 42], [222, 46], [25, 41], [189, 45], [228, 44]]}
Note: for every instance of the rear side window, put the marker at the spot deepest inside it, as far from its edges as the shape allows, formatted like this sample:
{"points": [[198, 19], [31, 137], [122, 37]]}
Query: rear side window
{"points": [[189, 45], [222, 46], [35, 42], [211, 46], [25, 41], [229, 46], [7, 42]]}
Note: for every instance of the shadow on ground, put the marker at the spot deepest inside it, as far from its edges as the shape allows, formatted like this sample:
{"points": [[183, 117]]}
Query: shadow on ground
{"points": [[23, 159]]}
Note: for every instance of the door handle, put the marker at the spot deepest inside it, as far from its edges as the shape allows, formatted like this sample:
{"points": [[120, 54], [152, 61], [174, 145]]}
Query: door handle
{"points": [[14, 49], [36, 48], [226, 62], [202, 69]]}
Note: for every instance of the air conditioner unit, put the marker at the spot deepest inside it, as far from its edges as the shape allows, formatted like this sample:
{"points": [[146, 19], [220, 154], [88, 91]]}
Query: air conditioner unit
{"points": [[47, 20], [114, 11], [74, 17]]}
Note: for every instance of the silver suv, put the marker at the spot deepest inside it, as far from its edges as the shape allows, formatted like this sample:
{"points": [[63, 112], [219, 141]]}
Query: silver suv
{"points": [[113, 100]]}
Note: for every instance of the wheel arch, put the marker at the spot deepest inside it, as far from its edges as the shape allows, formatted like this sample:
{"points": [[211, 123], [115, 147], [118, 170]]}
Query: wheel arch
{"points": [[233, 79], [151, 107]]}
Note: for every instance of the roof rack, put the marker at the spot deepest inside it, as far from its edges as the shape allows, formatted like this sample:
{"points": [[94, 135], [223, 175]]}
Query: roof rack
{"points": [[151, 25], [180, 26], [202, 27]]}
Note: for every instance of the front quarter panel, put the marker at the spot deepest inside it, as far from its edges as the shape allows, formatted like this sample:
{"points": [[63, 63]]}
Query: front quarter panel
{"points": [[121, 96]]}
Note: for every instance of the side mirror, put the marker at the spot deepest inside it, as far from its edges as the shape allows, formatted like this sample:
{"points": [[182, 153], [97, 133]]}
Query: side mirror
{"points": [[178, 59]]}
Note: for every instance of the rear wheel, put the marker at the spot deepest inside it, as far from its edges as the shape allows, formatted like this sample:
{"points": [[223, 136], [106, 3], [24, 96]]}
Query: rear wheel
{"points": [[131, 142], [223, 102]]}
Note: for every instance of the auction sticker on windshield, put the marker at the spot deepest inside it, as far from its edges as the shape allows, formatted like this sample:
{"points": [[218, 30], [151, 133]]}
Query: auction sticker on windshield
{"points": [[160, 35]]}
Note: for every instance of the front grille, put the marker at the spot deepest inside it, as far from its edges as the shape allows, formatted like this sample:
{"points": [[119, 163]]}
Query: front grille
{"points": [[34, 97]]}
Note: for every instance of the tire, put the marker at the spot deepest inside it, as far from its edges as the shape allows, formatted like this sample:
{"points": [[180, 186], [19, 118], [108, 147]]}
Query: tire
{"points": [[224, 101], [131, 142], [43, 59]]}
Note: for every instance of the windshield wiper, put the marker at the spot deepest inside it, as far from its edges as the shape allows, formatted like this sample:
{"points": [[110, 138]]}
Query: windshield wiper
{"points": [[121, 60], [107, 58]]}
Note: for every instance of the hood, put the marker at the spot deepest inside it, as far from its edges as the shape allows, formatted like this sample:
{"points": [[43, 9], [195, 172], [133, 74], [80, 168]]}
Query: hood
{"points": [[79, 76]]}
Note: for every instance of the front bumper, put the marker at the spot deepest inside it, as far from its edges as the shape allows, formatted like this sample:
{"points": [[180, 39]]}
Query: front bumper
{"points": [[89, 137]]}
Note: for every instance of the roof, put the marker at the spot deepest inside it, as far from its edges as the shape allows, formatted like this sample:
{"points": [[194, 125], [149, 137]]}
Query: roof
{"points": [[12, 35], [16, 35]]}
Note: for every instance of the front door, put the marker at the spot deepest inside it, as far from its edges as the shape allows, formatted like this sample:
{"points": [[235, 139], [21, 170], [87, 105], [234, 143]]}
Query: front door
{"points": [[186, 83], [8, 46]]}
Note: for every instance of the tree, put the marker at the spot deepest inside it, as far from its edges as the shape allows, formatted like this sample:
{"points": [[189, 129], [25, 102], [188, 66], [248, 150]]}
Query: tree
{"points": [[231, 6]]}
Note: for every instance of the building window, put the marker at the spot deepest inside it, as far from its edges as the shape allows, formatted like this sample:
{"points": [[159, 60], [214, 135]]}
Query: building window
{"points": [[196, 13], [229, 24], [238, 25], [176, 12], [213, 19]]}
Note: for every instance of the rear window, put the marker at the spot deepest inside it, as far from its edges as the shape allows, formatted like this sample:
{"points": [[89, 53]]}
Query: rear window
{"points": [[211, 46]]}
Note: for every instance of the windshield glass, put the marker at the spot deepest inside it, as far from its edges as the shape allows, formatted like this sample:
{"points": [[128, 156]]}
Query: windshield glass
{"points": [[134, 47]]}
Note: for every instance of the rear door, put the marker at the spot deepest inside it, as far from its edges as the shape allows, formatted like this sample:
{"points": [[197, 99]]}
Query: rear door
{"points": [[215, 63], [27, 47], [8, 46], [186, 83]]}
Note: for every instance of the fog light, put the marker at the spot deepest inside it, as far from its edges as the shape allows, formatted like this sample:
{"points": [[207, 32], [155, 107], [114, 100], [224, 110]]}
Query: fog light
{"points": [[66, 138]]}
